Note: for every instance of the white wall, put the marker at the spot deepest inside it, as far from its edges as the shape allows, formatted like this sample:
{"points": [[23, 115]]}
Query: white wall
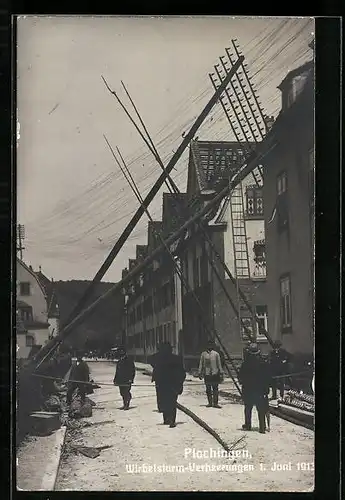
{"points": [[53, 326], [41, 335], [23, 351], [255, 230], [36, 299]]}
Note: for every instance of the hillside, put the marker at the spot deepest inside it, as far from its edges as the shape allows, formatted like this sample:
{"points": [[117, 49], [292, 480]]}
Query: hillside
{"points": [[102, 329]]}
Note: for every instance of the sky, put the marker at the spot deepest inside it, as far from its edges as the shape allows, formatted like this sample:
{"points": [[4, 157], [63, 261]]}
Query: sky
{"points": [[71, 195]]}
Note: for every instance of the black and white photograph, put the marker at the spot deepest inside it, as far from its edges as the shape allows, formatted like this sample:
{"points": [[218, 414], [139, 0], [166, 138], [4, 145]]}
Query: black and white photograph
{"points": [[165, 263]]}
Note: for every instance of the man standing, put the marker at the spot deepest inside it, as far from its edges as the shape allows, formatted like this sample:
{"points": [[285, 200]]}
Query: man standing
{"points": [[254, 378], [80, 376], [124, 377], [169, 375], [279, 360], [153, 360], [210, 368]]}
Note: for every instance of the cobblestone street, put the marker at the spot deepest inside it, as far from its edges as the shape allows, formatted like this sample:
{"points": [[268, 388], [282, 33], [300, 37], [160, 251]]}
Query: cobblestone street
{"points": [[139, 441]]}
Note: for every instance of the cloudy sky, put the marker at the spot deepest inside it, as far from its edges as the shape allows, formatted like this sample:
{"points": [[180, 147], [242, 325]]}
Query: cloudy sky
{"points": [[71, 196]]}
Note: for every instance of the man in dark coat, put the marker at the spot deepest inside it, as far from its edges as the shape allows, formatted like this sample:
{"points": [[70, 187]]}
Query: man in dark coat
{"points": [[79, 376], [254, 378], [279, 362], [124, 376], [169, 374], [153, 360]]}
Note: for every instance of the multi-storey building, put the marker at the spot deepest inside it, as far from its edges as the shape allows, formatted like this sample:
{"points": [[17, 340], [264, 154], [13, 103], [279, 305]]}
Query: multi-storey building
{"points": [[289, 214], [32, 310], [153, 312], [161, 305], [235, 231]]}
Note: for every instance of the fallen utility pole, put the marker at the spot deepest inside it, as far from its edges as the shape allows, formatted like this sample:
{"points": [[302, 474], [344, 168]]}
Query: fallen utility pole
{"points": [[129, 178], [239, 176], [44, 352], [173, 188], [156, 187]]}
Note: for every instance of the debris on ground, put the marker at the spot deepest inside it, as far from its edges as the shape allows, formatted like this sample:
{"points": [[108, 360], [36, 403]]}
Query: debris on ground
{"points": [[298, 400], [53, 403], [90, 451], [79, 408]]}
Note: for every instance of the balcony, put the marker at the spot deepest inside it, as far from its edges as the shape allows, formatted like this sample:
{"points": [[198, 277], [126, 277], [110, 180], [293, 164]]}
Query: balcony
{"points": [[259, 259]]}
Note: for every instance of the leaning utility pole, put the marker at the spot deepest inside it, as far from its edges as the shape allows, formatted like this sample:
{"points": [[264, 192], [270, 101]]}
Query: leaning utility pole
{"points": [[238, 177], [156, 187]]}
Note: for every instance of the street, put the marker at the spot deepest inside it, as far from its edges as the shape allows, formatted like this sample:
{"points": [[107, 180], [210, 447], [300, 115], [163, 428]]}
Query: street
{"points": [[145, 455]]}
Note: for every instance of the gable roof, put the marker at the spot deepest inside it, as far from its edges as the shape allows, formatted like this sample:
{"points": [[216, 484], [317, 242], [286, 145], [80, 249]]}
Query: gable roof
{"points": [[48, 285], [216, 161], [32, 272], [304, 68]]}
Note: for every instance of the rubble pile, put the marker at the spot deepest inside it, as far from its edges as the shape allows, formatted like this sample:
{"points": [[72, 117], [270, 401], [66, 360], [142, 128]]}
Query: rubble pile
{"points": [[298, 400]]}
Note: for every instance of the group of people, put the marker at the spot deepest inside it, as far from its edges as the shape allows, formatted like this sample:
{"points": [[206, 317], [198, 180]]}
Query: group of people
{"points": [[168, 375], [257, 374]]}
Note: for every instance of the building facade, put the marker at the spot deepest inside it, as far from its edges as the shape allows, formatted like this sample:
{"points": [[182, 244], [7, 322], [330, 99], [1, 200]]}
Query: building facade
{"points": [[153, 301], [289, 215], [235, 232], [189, 305], [52, 303], [32, 309]]}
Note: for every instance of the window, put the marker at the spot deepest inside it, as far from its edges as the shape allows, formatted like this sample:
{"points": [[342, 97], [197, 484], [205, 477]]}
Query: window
{"points": [[24, 288], [281, 183], [30, 341], [26, 313], [262, 322], [285, 304], [282, 202], [254, 201]]}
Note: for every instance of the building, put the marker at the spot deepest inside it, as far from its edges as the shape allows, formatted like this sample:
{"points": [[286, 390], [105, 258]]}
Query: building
{"points": [[32, 310], [235, 230], [162, 304], [153, 301], [52, 303], [289, 214]]}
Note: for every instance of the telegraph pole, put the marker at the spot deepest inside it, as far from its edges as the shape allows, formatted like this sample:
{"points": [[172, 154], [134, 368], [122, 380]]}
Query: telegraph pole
{"points": [[20, 239]]}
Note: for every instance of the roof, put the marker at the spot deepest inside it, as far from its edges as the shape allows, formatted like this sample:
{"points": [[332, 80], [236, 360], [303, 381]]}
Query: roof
{"points": [[306, 67], [174, 211], [154, 227], [141, 252], [50, 293], [216, 161], [32, 272], [21, 303]]}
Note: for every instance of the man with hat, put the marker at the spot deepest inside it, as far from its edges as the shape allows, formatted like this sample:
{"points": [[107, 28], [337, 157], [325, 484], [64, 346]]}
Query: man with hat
{"points": [[124, 376], [210, 369], [254, 378], [169, 375], [154, 360], [279, 361]]}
